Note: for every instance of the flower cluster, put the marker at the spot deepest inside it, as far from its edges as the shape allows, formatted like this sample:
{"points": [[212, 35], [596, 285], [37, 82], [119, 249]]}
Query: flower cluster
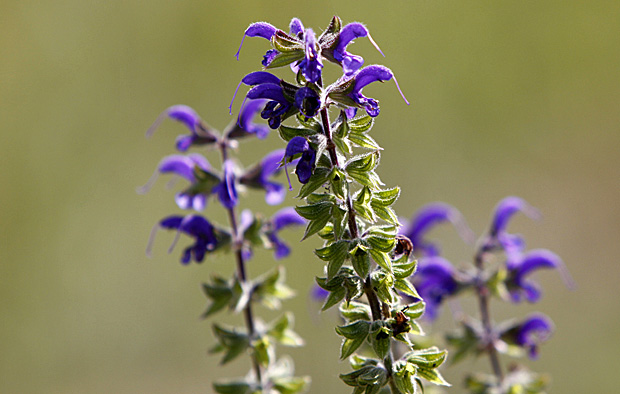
{"points": [[384, 273], [346, 204], [438, 280], [242, 234]]}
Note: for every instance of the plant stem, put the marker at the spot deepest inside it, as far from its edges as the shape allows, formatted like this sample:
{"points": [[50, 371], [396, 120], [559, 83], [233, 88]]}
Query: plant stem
{"points": [[371, 294], [483, 302], [241, 271]]}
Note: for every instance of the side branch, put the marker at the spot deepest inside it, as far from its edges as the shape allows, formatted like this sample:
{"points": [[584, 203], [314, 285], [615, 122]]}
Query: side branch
{"points": [[483, 301]]}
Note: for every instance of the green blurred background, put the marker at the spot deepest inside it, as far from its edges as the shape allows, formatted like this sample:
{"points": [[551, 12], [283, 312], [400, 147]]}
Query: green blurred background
{"points": [[510, 97]]}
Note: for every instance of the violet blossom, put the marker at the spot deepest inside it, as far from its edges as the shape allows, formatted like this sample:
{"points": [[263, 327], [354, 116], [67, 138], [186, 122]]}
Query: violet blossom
{"points": [[285, 217], [425, 219], [258, 177], [348, 90], [435, 280], [498, 237], [194, 168], [537, 328], [305, 166], [196, 227], [200, 133], [519, 269]]}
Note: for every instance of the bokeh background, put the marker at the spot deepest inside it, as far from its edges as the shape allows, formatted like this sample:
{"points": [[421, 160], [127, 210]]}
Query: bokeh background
{"points": [[508, 98]]}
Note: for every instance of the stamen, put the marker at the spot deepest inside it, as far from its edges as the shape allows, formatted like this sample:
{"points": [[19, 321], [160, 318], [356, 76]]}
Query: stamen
{"points": [[400, 91], [156, 124], [239, 50], [173, 181], [241, 111], [288, 178], [149, 245], [149, 184], [375, 45], [233, 99], [566, 277], [176, 238]]}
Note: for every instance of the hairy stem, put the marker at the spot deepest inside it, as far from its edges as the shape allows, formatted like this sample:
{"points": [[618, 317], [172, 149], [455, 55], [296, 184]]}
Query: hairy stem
{"points": [[371, 294], [483, 302], [241, 271]]}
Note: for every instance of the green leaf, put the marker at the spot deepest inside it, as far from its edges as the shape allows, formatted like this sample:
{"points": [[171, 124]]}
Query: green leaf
{"points": [[354, 330], [343, 145], [288, 133], [338, 182], [233, 388], [415, 310], [427, 358], [334, 297], [406, 287], [361, 124], [285, 43], [380, 243], [385, 213], [285, 58], [334, 254], [404, 377], [220, 294], [230, 342], [382, 259], [383, 282], [263, 351], [318, 214], [380, 339], [339, 221], [319, 177], [433, 376], [270, 289], [282, 332], [291, 385], [404, 269], [361, 168], [355, 334], [309, 123], [387, 197], [364, 141], [360, 260], [353, 311]]}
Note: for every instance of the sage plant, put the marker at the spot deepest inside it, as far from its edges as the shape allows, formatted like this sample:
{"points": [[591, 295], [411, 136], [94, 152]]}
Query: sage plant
{"points": [[370, 272], [501, 269], [367, 265], [239, 236]]}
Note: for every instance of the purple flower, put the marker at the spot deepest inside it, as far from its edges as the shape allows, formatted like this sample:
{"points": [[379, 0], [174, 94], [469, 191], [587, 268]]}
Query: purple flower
{"points": [[308, 102], [426, 219], [284, 99], [435, 281], [530, 333], [350, 63], [296, 28], [312, 64], [348, 90], [498, 238], [259, 175], [305, 165], [194, 168], [268, 86], [258, 29], [227, 191], [245, 125], [317, 293], [200, 133], [283, 218], [519, 269], [196, 227]]}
